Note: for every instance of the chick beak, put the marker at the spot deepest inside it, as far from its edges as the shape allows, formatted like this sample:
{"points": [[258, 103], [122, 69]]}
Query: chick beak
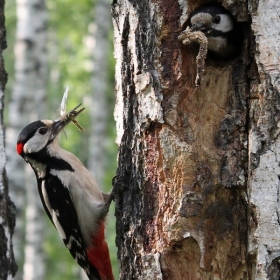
{"points": [[60, 123], [199, 27]]}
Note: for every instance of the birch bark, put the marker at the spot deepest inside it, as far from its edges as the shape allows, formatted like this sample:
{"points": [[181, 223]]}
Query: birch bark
{"points": [[7, 209], [27, 105], [264, 140]]}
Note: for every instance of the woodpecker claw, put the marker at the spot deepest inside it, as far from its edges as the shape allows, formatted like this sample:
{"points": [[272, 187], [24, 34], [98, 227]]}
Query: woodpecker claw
{"points": [[109, 197]]}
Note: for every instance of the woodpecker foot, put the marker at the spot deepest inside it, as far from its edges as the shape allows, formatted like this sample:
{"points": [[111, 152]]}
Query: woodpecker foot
{"points": [[108, 197], [118, 185]]}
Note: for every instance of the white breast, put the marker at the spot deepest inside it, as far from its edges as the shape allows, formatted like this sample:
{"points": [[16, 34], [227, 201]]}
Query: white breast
{"points": [[216, 43]]}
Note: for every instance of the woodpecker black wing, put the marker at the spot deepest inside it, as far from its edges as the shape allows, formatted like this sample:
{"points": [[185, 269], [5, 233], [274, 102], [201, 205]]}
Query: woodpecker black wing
{"points": [[58, 201]]}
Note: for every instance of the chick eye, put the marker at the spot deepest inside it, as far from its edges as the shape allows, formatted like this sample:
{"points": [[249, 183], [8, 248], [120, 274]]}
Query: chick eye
{"points": [[43, 130], [217, 19]]}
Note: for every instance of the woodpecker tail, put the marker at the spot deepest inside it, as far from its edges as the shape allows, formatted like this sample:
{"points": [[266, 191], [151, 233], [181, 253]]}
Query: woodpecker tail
{"points": [[98, 254]]}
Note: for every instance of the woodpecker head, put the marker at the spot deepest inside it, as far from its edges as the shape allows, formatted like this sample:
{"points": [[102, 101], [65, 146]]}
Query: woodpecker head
{"points": [[224, 35], [39, 135]]}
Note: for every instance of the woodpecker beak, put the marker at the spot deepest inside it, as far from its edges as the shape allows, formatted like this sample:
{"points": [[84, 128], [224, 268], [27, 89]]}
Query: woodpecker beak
{"points": [[199, 27], [60, 123]]}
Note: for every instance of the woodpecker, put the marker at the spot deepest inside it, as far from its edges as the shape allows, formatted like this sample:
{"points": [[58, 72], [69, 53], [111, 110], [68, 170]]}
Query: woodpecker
{"points": [[224, 34], [70, 196]]}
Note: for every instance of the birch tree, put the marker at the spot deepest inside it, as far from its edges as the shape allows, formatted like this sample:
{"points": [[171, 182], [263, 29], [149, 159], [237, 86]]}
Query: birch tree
{"points": [[27, 105], [7, 209], [198, 188], [98, 45]]}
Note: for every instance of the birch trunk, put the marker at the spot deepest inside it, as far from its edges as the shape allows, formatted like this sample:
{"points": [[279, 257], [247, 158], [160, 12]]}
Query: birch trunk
{"points": [[27, 105], [7, 209], [198, 168], [264, 140]]}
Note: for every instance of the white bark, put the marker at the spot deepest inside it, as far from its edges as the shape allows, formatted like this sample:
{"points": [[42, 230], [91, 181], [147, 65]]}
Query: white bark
{"points": [[264, 141], [27, 105], [98, 45], [7, 213]]}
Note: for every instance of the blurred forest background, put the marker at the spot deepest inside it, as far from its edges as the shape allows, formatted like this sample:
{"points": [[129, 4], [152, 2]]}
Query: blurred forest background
{"points": [[53, 44]]}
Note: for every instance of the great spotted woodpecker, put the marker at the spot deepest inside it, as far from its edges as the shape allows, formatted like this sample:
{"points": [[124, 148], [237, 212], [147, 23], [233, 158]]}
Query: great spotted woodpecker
{"points": [[71, 198], [224, 34]]}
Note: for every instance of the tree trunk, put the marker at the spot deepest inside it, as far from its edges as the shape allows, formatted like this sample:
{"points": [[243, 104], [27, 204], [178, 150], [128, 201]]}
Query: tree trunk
{"points": [[27, 105], [198, 168], [7, 209]]}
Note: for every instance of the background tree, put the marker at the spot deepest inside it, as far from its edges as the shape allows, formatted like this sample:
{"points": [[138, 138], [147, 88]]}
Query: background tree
{"points": [[26, 105], [7, 210], [98, 47], [198, 168], [102, 158]]}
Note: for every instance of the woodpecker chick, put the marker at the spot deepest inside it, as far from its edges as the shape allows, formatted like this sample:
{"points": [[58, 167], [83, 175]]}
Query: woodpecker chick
{"points": [[225, 37], [69, 194]]}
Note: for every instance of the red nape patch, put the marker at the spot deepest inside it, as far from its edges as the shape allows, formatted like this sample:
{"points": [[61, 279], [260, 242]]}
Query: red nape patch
{"points": [[98, 255], [20, 148]]}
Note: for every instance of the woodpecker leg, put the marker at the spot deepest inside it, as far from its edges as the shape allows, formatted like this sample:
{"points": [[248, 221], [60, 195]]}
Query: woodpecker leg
{"points": [[118, 185], [108, 197]]}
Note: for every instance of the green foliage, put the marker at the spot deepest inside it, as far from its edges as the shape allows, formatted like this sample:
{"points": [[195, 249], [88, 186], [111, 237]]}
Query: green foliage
{"points": [[68, 57]]}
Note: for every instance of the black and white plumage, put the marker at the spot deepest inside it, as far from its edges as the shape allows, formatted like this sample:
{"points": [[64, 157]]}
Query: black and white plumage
{"points": [[69, 194], [225, 37]]}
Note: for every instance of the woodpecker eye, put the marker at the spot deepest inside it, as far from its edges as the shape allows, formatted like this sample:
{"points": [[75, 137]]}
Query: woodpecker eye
{"points": [[43, 130], [217, 19]]}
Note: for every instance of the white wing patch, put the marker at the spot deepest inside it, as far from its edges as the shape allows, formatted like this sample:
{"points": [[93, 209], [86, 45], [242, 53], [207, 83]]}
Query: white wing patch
{"points": [[58, 225], [52, 212], [71, 240], [46, 198]]}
